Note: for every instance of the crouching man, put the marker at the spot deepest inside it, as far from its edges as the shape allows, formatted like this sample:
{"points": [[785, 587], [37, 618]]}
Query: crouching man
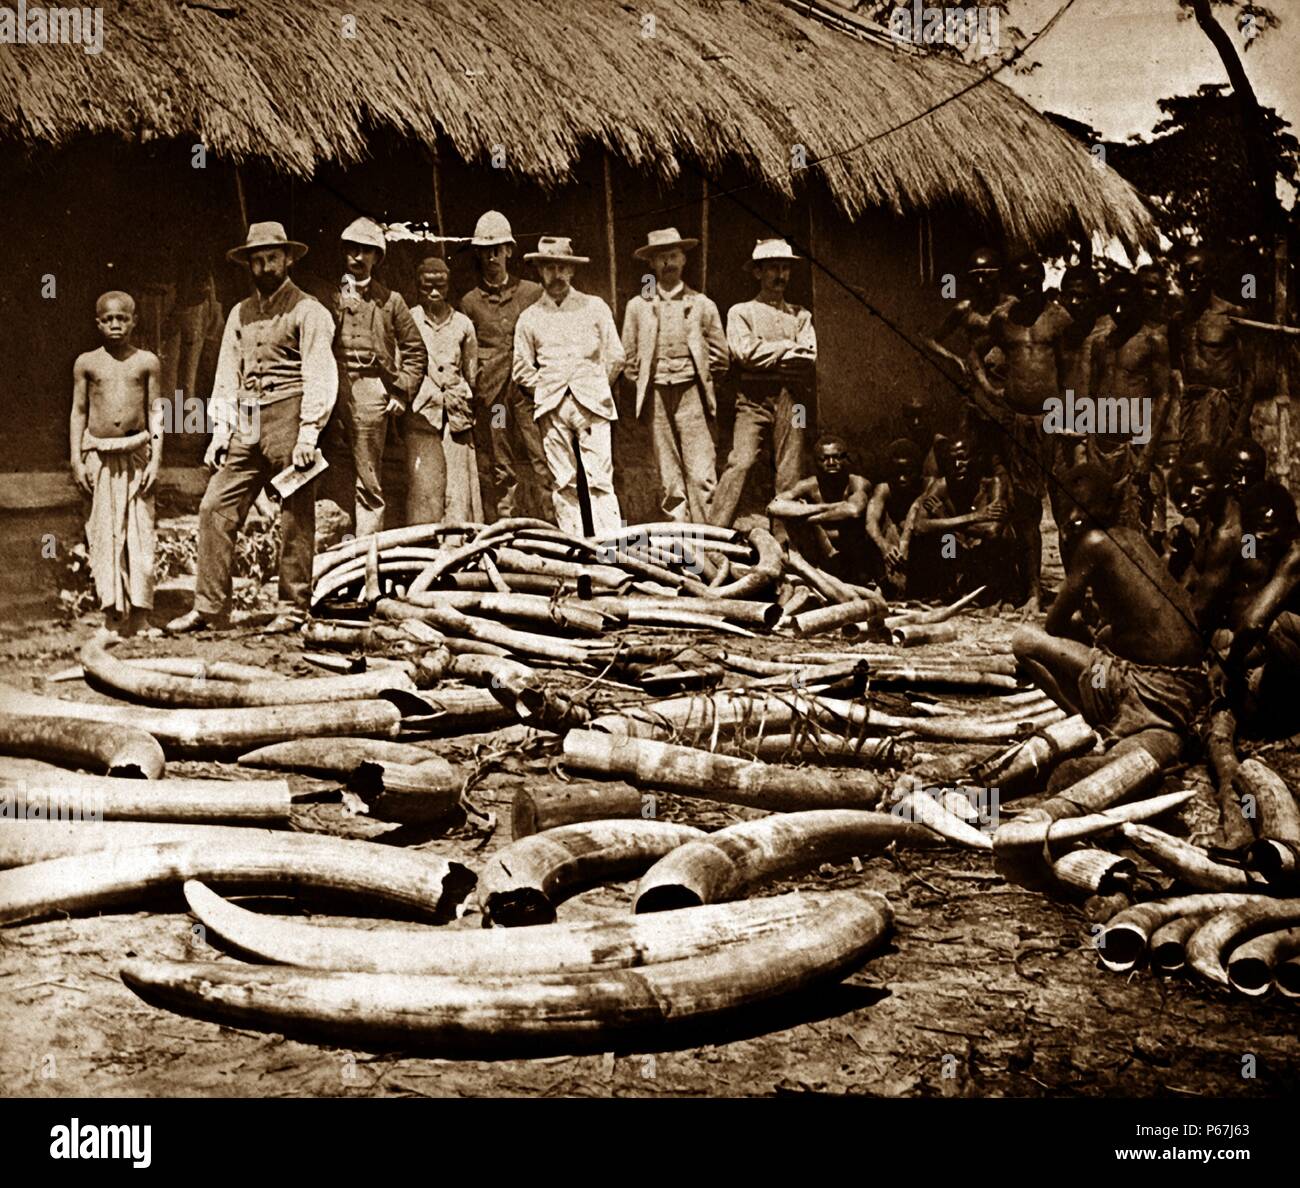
{"points": [[1143, 678]]}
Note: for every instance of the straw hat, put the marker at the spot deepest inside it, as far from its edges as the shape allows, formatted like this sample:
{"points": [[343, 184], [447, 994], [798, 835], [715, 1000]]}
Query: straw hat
{"points": [[266, 235], [772, 249], [366, 232], [491, 229], [659, 241], [557, 250]]}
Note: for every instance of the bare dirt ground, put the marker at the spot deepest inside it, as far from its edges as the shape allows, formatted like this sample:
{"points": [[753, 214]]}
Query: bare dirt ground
{"points": [[986, 989]]}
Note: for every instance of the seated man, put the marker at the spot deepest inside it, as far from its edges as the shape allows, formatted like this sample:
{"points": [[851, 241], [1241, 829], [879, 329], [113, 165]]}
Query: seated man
{"points": [[1263, 607], [1245, 464], [963, 538], [823, 515], [1216, 516], [892, 512], [1144, 677], [1182, 538]]}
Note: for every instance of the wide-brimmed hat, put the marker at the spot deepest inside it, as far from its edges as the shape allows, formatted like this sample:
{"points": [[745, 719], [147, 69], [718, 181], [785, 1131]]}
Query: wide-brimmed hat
{"points": [[491, 229], [266, 235], [772, 249], [366, 232], [555, 249], [660, 241]]}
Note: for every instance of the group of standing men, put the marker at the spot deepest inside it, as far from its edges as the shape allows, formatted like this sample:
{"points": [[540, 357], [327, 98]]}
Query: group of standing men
{"points": [[514, 389]]}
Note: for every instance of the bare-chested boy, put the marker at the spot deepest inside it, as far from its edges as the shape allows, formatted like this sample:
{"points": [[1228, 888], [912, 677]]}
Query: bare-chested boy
{"points": [[1028, 329], [116, 433], [892, 512], [1144, 675], [1129, 362], [962, 538], [1217, 380], [823, 515]]}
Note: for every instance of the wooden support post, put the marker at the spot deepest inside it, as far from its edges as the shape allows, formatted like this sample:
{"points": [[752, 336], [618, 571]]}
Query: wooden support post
{"points": [[704, 233], [437, 196], [243, 201], [609, 233]]}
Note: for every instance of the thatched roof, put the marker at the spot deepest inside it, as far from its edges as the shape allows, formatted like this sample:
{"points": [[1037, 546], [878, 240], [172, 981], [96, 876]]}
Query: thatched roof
{"points": [[719, 81]]}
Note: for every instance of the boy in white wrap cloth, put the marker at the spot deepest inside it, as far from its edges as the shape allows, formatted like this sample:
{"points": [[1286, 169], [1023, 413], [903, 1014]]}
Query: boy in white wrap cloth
{"points": [[115, 436]]}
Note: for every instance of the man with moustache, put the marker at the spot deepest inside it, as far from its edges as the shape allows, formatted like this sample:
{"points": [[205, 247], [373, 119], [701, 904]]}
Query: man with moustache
{"points": [[567, 355], [514, 479], [381, 361], [274, 389], [774, 349], [674, 342]]}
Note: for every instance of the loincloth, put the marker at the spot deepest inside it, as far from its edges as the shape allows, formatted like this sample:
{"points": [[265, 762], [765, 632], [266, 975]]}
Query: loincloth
{"points": [[1120, 697], [120, 531]]}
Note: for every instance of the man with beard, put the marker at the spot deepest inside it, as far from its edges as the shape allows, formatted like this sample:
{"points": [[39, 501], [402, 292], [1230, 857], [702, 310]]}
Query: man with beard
{"points": [[1143, 678], [1130, 361], [1263, 607], [892, 512], [774, 350], [1028, 329], [962, 538], [275, 387], [674, 342], [1217, 383], [823, 515], [568, 354], [513, 476], [381, 361]]}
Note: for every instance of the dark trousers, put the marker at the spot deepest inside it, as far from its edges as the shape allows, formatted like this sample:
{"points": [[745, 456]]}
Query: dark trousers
{"points": [[261, 448], [508, 446]]}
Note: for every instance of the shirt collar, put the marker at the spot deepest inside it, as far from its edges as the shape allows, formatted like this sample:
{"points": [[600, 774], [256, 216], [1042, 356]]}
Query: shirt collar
{"points": [[497, 290], [571, 298], [678, 290]]}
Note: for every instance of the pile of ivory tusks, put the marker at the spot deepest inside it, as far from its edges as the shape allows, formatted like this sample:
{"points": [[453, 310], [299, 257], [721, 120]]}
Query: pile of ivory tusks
{"points": [[689, 954]]}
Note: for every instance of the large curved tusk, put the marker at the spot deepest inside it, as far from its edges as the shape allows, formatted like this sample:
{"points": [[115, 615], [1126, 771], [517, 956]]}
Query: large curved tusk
{"points": [[1188, 862], [522, 882], [921, 807], [219, 732], [159, 688], [1222, 933], [418, 883], [69, 795], [721, 865], [119, 748], [690, 771], [1251, 965], [544, 948], [526, 1012], [1122, 943], [332, 756]]}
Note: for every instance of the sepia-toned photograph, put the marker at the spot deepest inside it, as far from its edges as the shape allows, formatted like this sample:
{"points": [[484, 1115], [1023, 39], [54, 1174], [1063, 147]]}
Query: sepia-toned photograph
{"points": [[673, 549]]}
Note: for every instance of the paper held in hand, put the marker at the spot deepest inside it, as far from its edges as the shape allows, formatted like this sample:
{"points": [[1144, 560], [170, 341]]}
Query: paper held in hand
{"points": [[290, 479]]}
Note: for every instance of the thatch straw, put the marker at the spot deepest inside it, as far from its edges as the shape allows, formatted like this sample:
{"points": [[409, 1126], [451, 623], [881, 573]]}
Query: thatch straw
{"points": [[719, 82]]}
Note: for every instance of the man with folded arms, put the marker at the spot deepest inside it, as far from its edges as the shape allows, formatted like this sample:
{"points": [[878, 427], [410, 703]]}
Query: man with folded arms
{"points": [[675, 342], [774, 350]]}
